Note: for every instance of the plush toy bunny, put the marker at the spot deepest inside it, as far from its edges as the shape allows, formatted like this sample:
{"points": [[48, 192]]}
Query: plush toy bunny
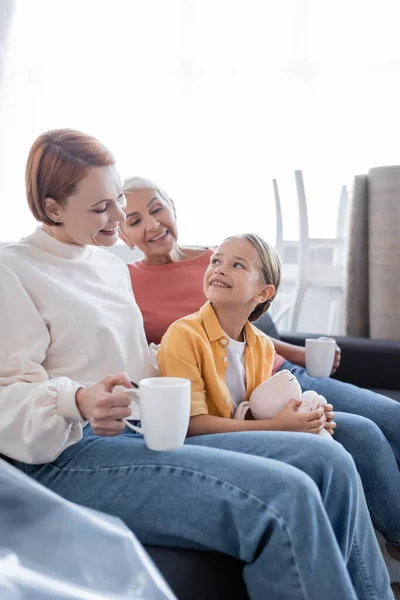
{"points": [[268, 399]]}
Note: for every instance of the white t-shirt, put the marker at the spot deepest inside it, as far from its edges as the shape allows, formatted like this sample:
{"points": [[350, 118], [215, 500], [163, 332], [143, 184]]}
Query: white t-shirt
{"points": [[236, 373]]}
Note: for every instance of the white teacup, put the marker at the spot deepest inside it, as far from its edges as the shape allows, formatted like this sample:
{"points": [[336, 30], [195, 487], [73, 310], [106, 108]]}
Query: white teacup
{"points": [[320, 356], [164, 411]]}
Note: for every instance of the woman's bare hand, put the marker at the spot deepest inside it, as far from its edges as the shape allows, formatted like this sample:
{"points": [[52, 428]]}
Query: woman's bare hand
{"points": [[104, 408], [336, 360]]}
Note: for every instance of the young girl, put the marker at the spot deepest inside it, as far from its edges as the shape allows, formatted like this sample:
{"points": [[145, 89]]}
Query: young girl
{"points": [[221, 352]]}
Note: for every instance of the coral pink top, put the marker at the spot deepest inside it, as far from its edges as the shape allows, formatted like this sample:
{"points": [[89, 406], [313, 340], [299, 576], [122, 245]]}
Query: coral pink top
{"points": [[166, 293]]}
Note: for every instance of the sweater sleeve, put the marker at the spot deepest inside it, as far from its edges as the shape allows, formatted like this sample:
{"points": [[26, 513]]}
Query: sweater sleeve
{"points": [[176, 358], [39, 416]]}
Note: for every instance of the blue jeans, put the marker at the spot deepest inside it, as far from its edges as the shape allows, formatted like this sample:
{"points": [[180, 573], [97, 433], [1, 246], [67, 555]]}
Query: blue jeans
{"points": [[368, 427], [287, 504]]}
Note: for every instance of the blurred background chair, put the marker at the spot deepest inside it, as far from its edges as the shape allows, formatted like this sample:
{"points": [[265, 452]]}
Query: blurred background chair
{"points": [[310, 264]]}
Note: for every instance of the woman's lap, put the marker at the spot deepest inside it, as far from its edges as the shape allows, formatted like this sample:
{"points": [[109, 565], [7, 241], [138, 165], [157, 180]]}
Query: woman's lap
{"points": [[251, 507], [118, 458], [148, 490]]}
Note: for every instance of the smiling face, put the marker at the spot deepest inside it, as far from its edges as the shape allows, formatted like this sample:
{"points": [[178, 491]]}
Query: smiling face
{"points": [[93, 213], [234, 279], [150, 223]]}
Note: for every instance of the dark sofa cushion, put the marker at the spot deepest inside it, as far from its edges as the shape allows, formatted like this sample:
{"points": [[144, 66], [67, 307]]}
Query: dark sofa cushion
{"points": [[266, 324], [199, 575]]}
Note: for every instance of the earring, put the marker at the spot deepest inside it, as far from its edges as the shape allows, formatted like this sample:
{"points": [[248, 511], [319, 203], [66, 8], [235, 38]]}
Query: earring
{"points": [[132, 247]]}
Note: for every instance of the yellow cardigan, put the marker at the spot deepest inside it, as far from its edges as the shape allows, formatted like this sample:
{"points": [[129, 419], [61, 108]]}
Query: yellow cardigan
{"points": [[195, 348]]}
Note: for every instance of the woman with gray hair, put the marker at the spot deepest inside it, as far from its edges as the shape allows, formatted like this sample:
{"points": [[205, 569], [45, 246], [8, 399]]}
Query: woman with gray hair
{"points": [[166, 280]]}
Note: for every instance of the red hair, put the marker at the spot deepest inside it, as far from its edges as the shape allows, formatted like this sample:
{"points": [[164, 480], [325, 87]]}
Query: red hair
{"points": [[57, 162]]}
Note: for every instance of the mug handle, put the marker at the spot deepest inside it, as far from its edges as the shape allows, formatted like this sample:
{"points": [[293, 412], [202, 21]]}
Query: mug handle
{"points": [[127, 423]]}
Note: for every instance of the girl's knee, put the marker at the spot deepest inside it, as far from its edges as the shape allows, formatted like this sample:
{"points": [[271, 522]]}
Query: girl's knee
{"points": [[294, 484], [342, 459], [334, 457]]}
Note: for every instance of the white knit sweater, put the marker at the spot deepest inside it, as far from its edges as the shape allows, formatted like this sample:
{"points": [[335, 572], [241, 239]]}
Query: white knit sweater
{"points": [[68, 317]]}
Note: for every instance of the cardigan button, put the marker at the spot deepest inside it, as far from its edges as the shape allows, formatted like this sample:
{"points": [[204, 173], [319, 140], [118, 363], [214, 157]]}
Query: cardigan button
{"points": [[228, 401], [223, 341], [226, 359]]}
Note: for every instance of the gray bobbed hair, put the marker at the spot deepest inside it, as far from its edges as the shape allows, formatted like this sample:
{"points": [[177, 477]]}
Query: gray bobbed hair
{"points": [[141, 183]]}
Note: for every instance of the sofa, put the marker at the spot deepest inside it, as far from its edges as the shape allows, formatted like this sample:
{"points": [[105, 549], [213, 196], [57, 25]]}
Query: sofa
{"points": [[200, 575]]}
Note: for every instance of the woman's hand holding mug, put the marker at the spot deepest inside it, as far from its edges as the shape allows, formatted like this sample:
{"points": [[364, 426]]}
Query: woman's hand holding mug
{"points": [[164, 408], [104, 408]]}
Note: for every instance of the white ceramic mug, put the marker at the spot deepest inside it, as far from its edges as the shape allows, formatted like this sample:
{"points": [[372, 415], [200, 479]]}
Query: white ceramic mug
{"points": [[164, 411], [320, 356]]}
